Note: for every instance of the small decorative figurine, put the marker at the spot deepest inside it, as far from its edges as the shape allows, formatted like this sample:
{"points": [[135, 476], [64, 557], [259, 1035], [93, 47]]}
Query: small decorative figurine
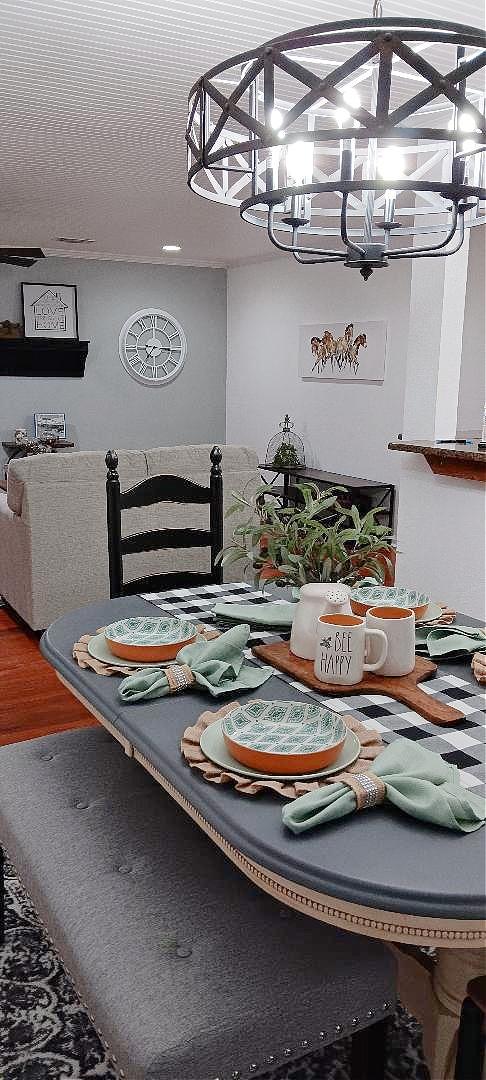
{"points": [[10, 329]]}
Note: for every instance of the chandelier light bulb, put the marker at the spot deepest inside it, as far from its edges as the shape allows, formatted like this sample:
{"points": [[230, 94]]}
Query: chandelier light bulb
{"points": [[352, 98], [392, 163], [276, 119], [463, 121], [300, 163], [466, 122]]}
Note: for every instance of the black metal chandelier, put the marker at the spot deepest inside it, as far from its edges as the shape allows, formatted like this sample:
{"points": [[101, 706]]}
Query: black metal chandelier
{"points": [[369, 130]]}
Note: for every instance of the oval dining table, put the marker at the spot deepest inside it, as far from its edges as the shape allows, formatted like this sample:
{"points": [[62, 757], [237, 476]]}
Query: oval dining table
{"points": [[377, 872]]}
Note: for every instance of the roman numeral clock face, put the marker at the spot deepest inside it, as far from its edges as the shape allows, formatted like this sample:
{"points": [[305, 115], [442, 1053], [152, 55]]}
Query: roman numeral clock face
{"points": [[152, 346]]}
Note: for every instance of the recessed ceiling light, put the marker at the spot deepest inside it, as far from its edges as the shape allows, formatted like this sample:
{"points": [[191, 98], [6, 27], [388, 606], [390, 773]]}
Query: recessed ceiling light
{"points": [[74, 239], [171, 247]]}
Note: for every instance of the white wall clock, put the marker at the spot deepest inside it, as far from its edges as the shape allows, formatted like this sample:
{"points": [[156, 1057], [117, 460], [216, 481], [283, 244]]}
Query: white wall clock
{"points": [[152, 346]]}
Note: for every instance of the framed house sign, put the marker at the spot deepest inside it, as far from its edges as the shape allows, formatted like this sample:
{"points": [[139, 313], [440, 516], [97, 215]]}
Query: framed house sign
{"points": [[49, 311]]}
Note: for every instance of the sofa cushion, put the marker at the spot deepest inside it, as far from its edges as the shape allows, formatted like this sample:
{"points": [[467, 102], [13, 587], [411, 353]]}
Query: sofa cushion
{"points": [[5, 511], [84, 467], [175, 459]]}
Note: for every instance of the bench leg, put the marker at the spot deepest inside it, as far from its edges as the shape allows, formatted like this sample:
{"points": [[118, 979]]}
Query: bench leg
{"points": [[2, 897], [368, 1052]]}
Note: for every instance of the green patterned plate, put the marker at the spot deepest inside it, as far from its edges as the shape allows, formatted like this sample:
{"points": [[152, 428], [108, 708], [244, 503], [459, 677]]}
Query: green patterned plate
{"points": [[149, 638], [213, 746], [284, 736]]}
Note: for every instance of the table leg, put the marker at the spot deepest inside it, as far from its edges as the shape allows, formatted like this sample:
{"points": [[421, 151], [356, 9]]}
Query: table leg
{"points": [[286, 485], [435, 997]]}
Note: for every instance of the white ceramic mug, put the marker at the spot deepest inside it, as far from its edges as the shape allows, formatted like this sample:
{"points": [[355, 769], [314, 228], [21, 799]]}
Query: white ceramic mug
{"points": [[316, 598], [399, 626], [343, 643]]}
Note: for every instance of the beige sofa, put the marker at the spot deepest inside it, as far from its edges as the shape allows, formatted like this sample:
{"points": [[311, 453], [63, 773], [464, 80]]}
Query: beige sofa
{"points": [[53, 549]]}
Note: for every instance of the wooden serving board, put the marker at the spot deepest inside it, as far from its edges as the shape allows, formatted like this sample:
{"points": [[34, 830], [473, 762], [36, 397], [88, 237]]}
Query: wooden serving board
{"points": [[402, 688]]}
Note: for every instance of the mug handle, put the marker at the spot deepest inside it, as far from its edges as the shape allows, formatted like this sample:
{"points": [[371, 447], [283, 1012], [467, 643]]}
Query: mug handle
{"points": [[384, 649]]}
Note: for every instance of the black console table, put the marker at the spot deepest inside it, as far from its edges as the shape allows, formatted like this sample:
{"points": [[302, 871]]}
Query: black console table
{"points": [[365, 494]]}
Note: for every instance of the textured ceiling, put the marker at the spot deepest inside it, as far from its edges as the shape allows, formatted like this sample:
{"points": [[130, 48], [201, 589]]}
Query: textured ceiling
{"points": [[93, 104]]}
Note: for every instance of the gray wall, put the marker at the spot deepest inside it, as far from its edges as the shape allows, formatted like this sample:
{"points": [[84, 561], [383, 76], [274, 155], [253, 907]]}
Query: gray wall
{"points": [[107, 408]]}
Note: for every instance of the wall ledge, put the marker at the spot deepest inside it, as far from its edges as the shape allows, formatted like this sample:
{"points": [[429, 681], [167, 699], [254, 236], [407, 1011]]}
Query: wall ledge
{"points": [[464, 462]]}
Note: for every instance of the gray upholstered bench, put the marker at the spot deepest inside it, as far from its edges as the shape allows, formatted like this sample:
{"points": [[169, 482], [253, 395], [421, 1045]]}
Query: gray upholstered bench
{"points": [[189, 971]]}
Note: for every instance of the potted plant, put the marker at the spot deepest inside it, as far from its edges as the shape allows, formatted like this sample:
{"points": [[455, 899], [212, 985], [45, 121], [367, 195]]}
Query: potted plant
{"points": [[317, 541]]}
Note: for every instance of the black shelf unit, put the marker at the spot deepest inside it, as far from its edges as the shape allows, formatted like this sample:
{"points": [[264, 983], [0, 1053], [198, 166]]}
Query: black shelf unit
{"points": [[43, 358]]}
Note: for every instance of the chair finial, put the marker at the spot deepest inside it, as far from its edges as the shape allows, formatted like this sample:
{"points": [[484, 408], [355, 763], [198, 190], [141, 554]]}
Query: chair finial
{"points": [[216, 457], [111, 462]]}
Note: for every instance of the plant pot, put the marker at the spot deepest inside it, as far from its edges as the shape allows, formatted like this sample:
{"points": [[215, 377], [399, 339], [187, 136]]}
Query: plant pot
{"points": [[386, 553]]}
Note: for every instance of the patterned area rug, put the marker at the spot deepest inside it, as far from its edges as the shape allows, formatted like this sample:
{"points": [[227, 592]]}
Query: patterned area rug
{"points": [[46, 1034]]}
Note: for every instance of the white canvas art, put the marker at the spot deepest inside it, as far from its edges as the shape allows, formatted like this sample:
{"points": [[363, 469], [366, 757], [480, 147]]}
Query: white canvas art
{"points": [[343, 352], [50, 311]]}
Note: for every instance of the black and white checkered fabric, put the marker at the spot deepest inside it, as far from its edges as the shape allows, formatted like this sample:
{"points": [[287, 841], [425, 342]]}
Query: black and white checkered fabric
{"points": [[462, 745]]}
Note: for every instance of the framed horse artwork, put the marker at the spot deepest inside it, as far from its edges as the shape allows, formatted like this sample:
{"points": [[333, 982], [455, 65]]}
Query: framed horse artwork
{"points": [[343, 352]]}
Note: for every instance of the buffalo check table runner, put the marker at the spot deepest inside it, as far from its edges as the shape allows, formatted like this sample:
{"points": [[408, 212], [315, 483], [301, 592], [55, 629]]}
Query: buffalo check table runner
{"points": [[462, 745]]}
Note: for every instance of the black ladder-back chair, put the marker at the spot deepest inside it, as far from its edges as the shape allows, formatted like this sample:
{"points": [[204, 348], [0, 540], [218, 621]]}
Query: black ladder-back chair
{"points": [[153, 490]]}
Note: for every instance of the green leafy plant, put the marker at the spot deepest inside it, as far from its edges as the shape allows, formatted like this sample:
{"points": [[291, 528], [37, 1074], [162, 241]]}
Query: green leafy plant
{"points": [[286, 457], [317, 541]]}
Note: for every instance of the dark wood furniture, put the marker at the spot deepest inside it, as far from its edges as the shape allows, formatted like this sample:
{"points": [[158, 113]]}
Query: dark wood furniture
{"points": [[46, 358], [363, 493], [15, 450], [472, 1033], [157, 489], [463, 460]]}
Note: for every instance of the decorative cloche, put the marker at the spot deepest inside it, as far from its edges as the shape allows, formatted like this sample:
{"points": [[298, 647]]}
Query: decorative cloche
{"points": [[285, 449]]}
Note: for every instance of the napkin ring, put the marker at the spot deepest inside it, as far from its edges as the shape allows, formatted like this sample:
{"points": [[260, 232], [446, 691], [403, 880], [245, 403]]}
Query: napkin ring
{"points": [[179, 677], [369, 789]]}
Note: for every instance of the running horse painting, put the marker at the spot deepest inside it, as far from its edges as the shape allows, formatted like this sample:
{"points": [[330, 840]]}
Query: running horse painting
{"points": [[337, 351], [348, 351]]}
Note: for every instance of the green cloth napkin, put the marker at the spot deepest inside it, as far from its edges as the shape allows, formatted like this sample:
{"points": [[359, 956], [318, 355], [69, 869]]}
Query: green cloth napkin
{"points": [[218, 666], [449, 641], [274, 613], [417, 781]]}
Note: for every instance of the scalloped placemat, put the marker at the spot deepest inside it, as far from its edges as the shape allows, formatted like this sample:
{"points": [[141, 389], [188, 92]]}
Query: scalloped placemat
{"points": [[85, 660], [371, 746]]}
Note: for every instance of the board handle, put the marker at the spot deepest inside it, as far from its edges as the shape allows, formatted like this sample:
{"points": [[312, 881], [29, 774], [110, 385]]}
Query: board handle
{"points": [[427, 705]]}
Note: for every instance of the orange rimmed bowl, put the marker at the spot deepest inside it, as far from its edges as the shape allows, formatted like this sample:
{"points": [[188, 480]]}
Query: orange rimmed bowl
{"points": [[146, 639], [362, 599], [284, 738]]}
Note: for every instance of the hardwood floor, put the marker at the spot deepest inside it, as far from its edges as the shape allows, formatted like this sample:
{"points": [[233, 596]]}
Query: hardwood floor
{"points": [[32, 700]]}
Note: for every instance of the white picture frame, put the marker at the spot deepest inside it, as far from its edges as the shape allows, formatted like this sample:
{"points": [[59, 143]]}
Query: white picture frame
{"points": [[343, 352], [49, 311], [50, 424]]}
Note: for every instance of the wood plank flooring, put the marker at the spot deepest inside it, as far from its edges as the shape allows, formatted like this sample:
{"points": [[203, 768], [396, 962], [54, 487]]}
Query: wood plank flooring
{"points": [[32, 700]]}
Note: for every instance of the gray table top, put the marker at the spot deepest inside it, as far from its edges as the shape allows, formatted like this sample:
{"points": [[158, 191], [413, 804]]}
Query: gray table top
{"points": [[379, 859]]}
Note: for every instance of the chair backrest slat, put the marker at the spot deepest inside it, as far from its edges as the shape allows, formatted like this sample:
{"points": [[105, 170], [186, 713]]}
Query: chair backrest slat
{"points": [[160, 582], [159, 539], [154, 490]]}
